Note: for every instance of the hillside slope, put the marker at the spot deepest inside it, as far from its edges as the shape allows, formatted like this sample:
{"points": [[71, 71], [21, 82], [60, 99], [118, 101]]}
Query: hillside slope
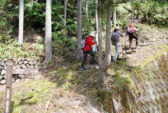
{"points": [[64, 89]]}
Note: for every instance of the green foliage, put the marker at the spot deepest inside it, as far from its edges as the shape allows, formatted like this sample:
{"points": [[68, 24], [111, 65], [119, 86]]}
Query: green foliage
{"points": [[7, 15], [4, 38], [11, 49], [121, 83], [151, 12], [62, 41], [34, 93], [64, 46], [35, 15]]}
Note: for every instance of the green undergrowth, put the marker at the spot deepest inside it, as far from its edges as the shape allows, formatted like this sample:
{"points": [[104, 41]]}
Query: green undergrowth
{"points": [[11, 49], [123, 74], [70, 76], [32, 94], [29, 94]]}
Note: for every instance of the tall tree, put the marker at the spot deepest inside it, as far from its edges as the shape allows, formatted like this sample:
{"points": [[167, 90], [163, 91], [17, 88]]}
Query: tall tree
{"points": [[114, 16], [79, 26], [48, 32], [108, 33], [86, 8], [104, 62], [101, 76], [65, 11], [21, 21], [97, 18]]}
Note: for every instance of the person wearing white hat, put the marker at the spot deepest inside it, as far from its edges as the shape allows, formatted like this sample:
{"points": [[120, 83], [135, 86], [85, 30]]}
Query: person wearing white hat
{"points": [[88, 50]]}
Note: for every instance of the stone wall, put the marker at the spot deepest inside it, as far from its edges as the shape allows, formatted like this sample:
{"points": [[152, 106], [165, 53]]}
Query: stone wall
{"points": [[22, 68]]}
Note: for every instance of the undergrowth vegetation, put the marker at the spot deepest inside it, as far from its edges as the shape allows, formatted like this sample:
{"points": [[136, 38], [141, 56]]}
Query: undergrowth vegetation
{"points": [[9, 48], [35, 93], [151, 12]]}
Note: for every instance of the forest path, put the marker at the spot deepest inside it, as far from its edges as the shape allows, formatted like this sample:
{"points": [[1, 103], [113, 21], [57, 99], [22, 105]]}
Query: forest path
{"points": [[153, 42]]}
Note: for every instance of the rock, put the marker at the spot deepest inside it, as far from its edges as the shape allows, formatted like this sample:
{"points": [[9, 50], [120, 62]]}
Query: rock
{"points": [[110, 71], [23, 68], [1, 77], [21, 76], [2, 82], [3, 72], [18, 80]]}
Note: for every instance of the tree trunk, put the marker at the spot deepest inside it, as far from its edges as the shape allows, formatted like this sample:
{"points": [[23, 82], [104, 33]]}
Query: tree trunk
{"points": [[8, 95], [108, 36], [102, 73], [48, 33], [21, 21], [114, 16], [65, 11], [79, 27], [113, 105], [97, 23], [86, 9]]}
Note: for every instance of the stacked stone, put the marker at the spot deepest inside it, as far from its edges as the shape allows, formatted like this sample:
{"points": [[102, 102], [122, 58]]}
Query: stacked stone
{"points": [[23, 67]]}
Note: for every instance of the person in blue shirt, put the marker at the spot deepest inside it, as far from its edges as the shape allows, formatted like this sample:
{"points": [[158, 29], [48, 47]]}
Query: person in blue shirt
{"points": [[116, 35]]}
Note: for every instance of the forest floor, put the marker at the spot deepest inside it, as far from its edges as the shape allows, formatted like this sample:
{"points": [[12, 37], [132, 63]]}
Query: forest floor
{"points": [[65, 89], [153, 42]]}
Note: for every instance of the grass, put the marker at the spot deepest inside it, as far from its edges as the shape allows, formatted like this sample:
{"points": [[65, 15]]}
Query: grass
{"points": [[33, 95], [29, 94], [13, 50], [163, 49]]}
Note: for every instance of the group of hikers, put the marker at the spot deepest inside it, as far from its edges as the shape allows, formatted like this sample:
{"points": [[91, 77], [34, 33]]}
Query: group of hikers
{"points": [[89, 45]]}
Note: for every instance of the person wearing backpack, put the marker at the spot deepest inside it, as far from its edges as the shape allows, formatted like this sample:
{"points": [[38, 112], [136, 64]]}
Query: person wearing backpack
{"points": [[89, 49], [116, 35], [132, 34]]}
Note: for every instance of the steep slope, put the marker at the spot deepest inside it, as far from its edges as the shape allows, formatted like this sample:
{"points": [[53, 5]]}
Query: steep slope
{"points": [[64, 89], [150, 73], [153, 43]]}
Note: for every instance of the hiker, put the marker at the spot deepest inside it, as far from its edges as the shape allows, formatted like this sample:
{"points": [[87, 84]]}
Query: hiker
{"points": [[116, 42], [131, 32], [89, 50]]}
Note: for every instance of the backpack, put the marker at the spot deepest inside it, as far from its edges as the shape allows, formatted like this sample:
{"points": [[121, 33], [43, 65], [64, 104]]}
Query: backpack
{"points": [[94, 48], [115, 37], [131, 29], [89, 42]]}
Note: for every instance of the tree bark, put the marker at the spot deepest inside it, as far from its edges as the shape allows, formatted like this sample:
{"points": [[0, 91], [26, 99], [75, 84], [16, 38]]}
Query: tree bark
{"points": [[48, 32], [21, 21], [79, 27], [8, 95], [108, 36], [86, 9], [65, 12], [102, 74], [114, 16], [97, 23]]}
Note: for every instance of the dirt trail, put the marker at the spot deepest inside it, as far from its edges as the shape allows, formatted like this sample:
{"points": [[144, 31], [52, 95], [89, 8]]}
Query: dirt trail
{"points": [[152, 44]]}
